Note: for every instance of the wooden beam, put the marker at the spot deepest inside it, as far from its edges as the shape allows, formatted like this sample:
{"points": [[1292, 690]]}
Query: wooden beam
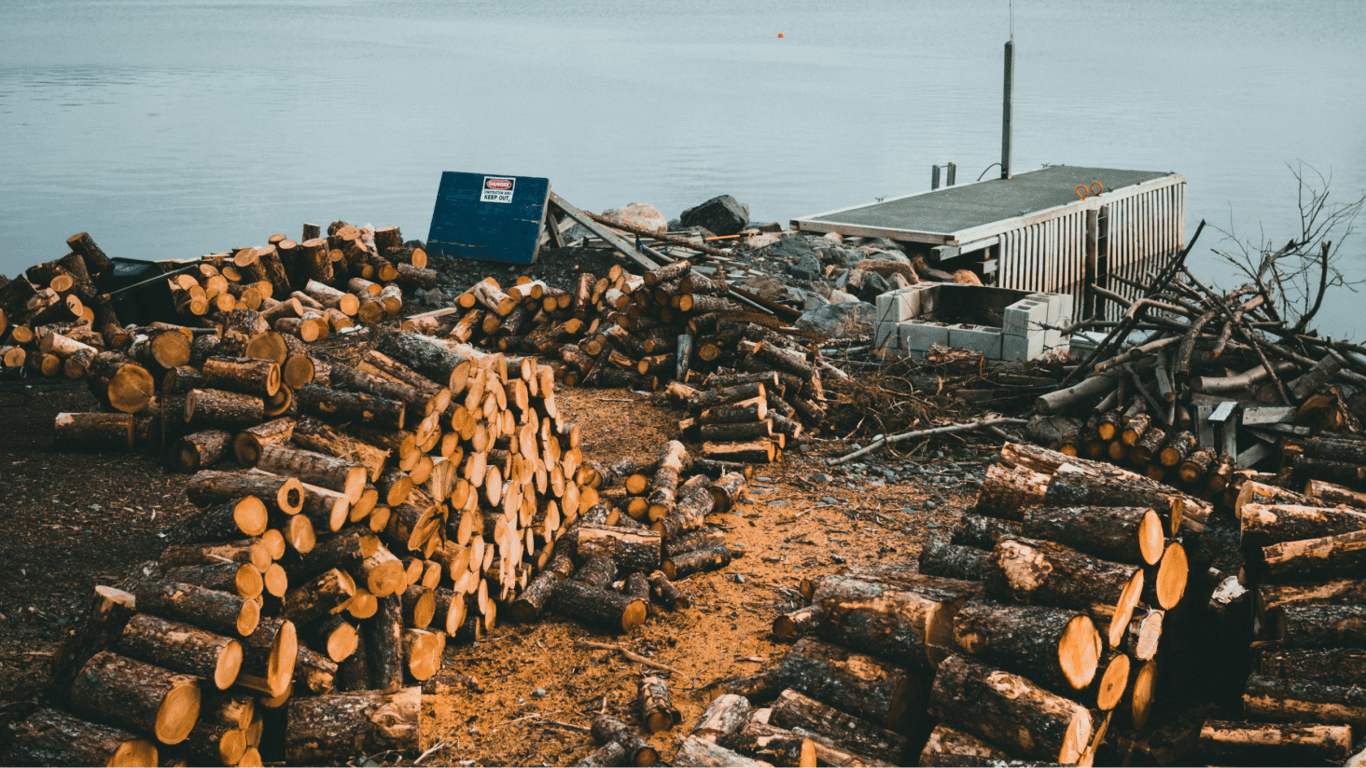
{"points": [[625, 248]]}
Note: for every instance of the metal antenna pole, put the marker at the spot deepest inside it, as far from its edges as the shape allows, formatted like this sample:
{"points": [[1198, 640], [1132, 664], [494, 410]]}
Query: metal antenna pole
{"points": [[1007, 107]]}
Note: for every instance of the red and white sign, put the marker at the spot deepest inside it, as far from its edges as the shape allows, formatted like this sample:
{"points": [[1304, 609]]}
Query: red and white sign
{"points": [[497, 189]]}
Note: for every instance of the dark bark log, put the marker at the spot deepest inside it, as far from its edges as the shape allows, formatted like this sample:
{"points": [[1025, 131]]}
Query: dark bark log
{"points": [[1316, 626], [529, 604], [318, 597], [100, 630], [698, 560], [334, 728], [793, 710], [260, 378], [438, 363], [137, 696], [1045, 573], [315, 469], [952, 747], [1330, 666], [1269, 698], [611, 610], [53, 737], [725, 715], [772, 744], [199, 450], [350, 407], [247, 444], [217, 611], [656, 709], [1227, 742], [981, 531], [1267, 524], [229, 520], [1120, 534], [237, 578], [700, 539], [1054, 646], [699, 753], [753, 452], [861, 685], [182, 648], [637, 550], [1328, 557], [269, 656], [609, 754], [667, 592], [1009, 710], [940, 558], [280, 493], [596, 571], [607, 729], [384, 645], [215, 408], [94, 431]]}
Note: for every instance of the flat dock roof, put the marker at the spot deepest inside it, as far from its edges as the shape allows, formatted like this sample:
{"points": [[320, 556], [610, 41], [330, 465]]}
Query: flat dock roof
{"points": [[965, 212]]}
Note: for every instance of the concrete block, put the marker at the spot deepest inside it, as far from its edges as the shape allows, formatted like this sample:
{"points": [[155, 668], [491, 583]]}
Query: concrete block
{"points": [[1025, 316], [1059, 315], [928, 298], [919, 337], [887, 336], [1015, 347], [978, 338], [896, 306]]}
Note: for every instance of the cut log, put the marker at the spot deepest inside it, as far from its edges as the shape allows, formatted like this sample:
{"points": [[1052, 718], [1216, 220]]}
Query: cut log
{"points": [[1270, 698], [631, 550], [982, 532], [334, 728], [1120, 534], [245, 375], [243, 579], [952, 747], [724, 716], [279, 493], [199, 450], [794, 711], [1319, 665], [247, 445], [1046, 573], [700, 753], [94, 431], [427, 357], [608, 755], [751, 452], [775, 745], [351, 407], [218, 409], [1331, 493], [229, 520], [1343, 555], [182, 648], [860, 685], [1006, 491], [384, 645], [940, 558], [1227, 742], [1267, 524], [607, 729], [321, 596], [1165, 583], [217, 611], [253, 551], [1254, 492], [100, 630], [422, 653], [268, 657], [665, 484], [1317, 626], [656, 709], [1009, 710], [315, 469], [610, 610], [727, 491], [667, 592], [1054, 646], [686, 564], [382, 573], [53, 737], [137, 696]]}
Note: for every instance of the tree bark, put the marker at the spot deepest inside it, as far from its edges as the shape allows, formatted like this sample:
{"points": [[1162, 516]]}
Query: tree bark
{"points": [[860, 685], [384, 644], [1046, 573], [983, 532], [280, 493], [230, 520], [199, 450], [793, 710], [260, 378], [699, 753], [137, 696], [1267, 524], [1054, 646], [237, 578], [1120, 534], [315, 469], [325, 594], [686, 564], [656, 709], [631, 550], [94, 431], [667, 592], [952, 747], [182, 648], [53, 737], [595, 605], [776, 745], [350, 407], [1343, 555], [334, 728], [220, 612], [215, 408], [1228, 742], [940, 558], [1009, 710], [1317, 665], [725, 715], [1269, 698], [248, 443], [607, 729]]}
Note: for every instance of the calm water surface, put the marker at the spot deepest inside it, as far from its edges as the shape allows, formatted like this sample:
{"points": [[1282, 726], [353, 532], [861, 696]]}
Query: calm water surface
{"points": [[170, 129]]}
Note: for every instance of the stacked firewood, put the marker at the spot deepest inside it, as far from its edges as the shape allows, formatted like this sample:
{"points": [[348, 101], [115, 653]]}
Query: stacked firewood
{"points": [[1302, 576], [672, 323], [369, 539]]}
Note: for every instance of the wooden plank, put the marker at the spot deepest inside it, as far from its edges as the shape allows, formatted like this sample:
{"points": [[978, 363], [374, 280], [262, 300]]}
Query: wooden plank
{"points": [[1252, 455], [552, 228], [1223, 412], [623, 247], [1228, 438], [1204, 430], [1268, 414]]}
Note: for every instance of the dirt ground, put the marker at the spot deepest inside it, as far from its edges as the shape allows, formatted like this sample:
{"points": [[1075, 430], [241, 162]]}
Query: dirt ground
{"points": [[525, 694]]}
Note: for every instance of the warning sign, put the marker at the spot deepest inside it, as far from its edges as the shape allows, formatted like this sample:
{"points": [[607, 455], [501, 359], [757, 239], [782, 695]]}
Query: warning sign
{"points": [[498, 189]]}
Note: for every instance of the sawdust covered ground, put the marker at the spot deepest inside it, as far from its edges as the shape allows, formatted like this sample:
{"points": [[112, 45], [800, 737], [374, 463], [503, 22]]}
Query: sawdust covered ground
{"points": [[70, 521]]}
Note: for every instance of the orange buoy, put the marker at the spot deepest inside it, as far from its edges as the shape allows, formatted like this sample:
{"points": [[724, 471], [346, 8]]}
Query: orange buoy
{"points": [[780, 34]]}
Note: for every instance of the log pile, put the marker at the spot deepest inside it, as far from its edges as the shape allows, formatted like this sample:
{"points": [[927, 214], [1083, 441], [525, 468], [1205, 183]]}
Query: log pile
{"points": [[396, 504], [673, 323], [1300, 703], [54, 321]]}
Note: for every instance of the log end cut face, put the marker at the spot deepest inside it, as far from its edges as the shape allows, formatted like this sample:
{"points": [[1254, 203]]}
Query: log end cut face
{"points": [[1172, 573], [135, 752], [229, 664], [1124, 609], [1151, 537], [178, 713], [1079, 652], [1113, 680]]}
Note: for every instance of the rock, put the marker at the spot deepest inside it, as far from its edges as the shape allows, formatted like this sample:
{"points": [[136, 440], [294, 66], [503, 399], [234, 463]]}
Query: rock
{"points": [[889, 244], [874, 285], [722, 215], [840, 297], [834, 237], [808, 267], [763, 240], [820, 477], [844, 257], [675, 225], [771, 227], [875, 254], [794, 247], [808, 299], [576, 232], [770, 288], [840, 320], [638, 215]]}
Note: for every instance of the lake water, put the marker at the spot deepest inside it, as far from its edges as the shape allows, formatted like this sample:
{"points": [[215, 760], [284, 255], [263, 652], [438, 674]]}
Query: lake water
{"points": [[171, 129]]}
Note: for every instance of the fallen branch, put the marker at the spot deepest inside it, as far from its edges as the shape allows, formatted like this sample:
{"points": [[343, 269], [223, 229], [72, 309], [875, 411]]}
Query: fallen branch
{"points": [[951, 428], [628, 653]]}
